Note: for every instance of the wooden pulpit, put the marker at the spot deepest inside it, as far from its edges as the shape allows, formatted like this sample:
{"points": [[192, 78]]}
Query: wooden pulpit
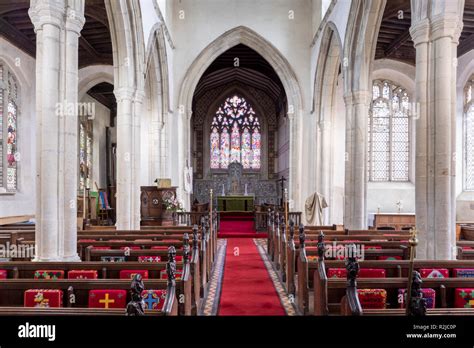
{"points": [[153, 210]]}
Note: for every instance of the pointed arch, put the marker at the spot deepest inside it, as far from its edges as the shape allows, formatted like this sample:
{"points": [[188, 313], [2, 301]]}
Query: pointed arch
{"points": [[231, 38], [327, 61], [246, 36]]}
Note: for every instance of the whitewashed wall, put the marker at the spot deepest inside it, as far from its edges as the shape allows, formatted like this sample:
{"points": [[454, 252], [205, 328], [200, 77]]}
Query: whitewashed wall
{"points": [[465, 199], [23, 201], [385, 195]]}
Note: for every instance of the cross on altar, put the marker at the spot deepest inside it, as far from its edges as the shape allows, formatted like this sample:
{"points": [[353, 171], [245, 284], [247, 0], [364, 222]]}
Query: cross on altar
{"points": [[282, 183], [106, 301], [150, 301]]}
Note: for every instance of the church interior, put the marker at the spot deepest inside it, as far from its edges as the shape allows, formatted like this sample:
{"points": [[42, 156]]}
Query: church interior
{"points": [[237, 158]]}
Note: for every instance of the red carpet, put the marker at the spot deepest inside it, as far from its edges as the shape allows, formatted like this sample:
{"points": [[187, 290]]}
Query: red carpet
{"points": [[238, 226], [247, 288]]}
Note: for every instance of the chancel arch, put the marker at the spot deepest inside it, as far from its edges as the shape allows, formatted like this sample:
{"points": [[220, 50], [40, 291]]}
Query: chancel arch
{"points": [[282, 69], [236, 113]]}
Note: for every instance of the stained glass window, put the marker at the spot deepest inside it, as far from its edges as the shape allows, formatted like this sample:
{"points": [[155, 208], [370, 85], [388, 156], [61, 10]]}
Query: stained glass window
{"points": [[9, 154], [236, 129], [469, 136], [389, 131], [85, 154]]}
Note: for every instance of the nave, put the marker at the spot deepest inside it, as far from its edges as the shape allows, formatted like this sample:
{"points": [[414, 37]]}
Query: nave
{"points": [[225, 267]]}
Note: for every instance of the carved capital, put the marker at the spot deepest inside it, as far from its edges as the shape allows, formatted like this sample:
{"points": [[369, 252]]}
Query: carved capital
{"points": [[420, 31]]}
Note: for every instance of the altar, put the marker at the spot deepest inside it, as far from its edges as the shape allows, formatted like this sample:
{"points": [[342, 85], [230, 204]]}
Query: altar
{"points": [[235, 203]]}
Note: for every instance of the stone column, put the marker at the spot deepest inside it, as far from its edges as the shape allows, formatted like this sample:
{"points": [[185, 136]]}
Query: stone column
{"points": [[57, 26], [325, 187], [435, 33], [129, 103], [355, 197]]}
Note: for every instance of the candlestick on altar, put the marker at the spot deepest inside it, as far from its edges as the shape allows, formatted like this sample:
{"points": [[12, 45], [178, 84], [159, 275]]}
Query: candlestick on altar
{"points": [[223, 191]]}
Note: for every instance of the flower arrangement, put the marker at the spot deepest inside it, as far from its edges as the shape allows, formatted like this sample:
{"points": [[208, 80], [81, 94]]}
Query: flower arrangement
{"points": [[173, 204]]}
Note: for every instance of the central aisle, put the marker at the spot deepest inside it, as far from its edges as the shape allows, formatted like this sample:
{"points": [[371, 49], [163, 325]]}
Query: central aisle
{"points": [[247, 288]]}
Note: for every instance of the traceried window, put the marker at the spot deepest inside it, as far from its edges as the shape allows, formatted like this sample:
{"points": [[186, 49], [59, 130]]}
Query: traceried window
{"points": [[85, 153], [389, 133], [235, 135], [469, 136], [9, 155]]}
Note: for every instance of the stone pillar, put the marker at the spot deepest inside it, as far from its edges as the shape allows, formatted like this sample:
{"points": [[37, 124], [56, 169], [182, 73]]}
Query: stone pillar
{"points": [[129, 103], [57, 26], [355, 196], [435, 32], [325, 187]]}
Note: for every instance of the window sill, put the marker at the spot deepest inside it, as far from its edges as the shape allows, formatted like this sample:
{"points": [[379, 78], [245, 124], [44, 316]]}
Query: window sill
{"points": [[466, 196], [4, 192]]}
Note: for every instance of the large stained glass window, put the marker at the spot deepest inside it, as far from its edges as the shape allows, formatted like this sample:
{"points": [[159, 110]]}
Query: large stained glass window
{"points": [[9, 154], [85, 154], [469, 136], [235, 135], [389, 133]]}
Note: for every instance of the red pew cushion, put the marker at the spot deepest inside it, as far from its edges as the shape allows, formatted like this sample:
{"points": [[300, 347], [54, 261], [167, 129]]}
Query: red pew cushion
{"points": [[43, 298], [107, 298], [82, 274], [372, 298], [164, 275], [363, 273], [463, 272], [464, 298], [49, 274], [428, 294], [434, 273], [149, 258], [129, 273], [159, 247], [3, 274], [143, 240], [154, 299], [102, 247], [86, 241], [389, 258]]}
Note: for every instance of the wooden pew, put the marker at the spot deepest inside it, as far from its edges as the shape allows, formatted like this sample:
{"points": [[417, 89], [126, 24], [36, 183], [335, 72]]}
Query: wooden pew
{"points": [[306, 270], [199, 275], [74, 311], [12, 290], [443, 287], [299, 264], [76, 291]]}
